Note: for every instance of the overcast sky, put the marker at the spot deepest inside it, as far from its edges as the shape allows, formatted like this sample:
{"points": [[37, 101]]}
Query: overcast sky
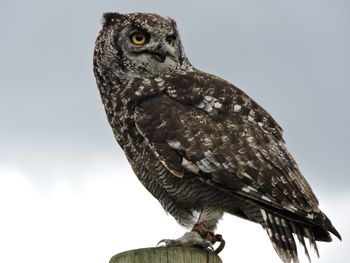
{"points": [[67, 193]]}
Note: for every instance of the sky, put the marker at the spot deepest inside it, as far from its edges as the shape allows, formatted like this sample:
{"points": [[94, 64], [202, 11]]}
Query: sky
{"points": [[67, 193]]}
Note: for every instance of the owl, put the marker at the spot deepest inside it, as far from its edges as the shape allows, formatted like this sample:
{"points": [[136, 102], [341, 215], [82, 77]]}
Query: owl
{"points": [[200, 145]]}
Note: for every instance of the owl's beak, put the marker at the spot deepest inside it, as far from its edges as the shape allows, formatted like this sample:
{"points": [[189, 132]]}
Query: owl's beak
{"points": [[160, 54]]}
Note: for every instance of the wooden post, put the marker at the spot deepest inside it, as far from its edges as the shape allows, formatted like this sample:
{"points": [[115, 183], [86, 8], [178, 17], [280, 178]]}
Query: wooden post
{"points": [[166, 255]]}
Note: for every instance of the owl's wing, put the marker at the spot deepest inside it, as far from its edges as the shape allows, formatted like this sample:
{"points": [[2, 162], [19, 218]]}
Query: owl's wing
{"points": [[218, 135]]}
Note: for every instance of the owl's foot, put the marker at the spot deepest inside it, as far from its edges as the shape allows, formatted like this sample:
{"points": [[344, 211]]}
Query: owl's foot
{"points": [[200, 237], [189, 239], [205, 233]]}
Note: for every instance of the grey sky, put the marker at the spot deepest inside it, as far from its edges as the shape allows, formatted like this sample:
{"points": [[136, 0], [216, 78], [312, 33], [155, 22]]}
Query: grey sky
{"points": [[292, 57]]}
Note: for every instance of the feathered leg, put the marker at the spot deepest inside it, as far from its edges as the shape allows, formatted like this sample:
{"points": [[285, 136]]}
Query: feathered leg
{"points": [[202, 234]]}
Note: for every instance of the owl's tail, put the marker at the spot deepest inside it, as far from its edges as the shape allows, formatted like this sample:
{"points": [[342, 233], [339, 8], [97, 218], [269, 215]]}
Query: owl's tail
{"points": [[281, 231]]}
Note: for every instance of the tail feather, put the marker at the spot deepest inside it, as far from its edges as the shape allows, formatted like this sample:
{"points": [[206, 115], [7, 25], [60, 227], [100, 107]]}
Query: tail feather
{"points": [[281, 233], [312, 240], [301, 239], [281, 239]]}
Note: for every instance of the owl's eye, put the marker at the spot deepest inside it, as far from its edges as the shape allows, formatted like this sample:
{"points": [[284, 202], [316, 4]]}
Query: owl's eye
{"points": [[139, 38], [170, 40]]}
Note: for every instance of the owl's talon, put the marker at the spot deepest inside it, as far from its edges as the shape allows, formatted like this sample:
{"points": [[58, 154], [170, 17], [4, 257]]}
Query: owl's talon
{"points": [[210, 247], [218, 238], [189, 239], [162, 241]]}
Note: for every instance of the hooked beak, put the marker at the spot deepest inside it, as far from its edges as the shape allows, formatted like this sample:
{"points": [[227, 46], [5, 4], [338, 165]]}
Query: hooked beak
{"points": [[160, 54]]}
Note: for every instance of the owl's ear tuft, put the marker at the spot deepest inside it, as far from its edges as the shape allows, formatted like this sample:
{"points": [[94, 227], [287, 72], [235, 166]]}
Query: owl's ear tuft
{"points": [[110, 18], [172, 21]]}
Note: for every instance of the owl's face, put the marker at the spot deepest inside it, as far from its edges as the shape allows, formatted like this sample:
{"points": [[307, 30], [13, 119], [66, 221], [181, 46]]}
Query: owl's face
{"points": [[145, 43]]}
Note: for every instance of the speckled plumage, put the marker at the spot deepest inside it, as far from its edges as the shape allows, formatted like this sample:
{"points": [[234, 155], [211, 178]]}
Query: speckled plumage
{"points": [[200, 145]]}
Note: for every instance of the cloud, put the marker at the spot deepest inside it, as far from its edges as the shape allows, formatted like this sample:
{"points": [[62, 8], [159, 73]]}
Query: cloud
{"points": [[111, 213]]}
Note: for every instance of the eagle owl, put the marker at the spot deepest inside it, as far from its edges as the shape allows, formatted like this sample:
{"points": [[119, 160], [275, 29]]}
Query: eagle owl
{"points": [[199, 144]]}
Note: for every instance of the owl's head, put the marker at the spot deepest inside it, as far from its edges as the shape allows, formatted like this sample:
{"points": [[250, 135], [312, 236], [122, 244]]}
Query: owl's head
{"points": [[139, 44]]}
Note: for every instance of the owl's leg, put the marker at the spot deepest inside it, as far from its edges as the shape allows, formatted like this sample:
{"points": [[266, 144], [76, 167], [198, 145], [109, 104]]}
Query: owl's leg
{"points": [[202, 234], [206, 225]]}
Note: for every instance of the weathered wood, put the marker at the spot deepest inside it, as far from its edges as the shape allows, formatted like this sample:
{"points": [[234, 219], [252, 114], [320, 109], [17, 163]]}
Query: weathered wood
{"points": [[166, 255]]}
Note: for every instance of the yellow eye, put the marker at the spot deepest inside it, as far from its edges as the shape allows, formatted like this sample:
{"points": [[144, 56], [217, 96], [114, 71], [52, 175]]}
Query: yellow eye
{"points": [[170, 40], [138, 38]]}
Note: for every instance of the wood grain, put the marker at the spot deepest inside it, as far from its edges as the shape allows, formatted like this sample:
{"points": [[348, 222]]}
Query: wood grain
{"points": [[166, 255]]}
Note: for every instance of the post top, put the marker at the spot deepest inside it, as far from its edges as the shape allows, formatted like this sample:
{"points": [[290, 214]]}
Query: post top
{"points": [[166, 255]]}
